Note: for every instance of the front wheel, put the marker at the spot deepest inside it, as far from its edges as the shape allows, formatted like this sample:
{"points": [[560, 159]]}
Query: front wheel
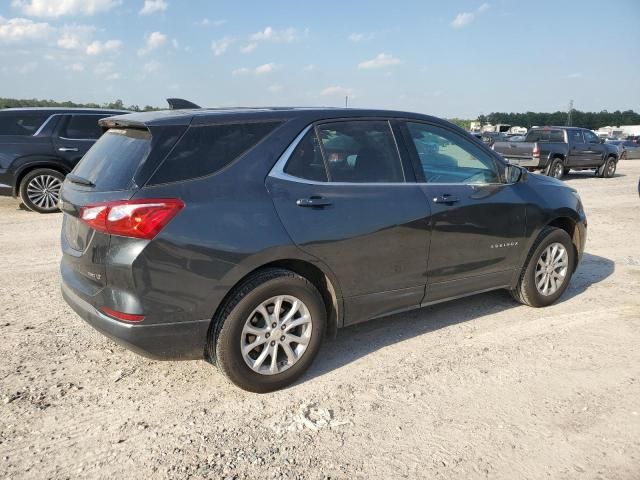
{"points": [[269, 331], [548, 270], [609, 168], [40, 190]]}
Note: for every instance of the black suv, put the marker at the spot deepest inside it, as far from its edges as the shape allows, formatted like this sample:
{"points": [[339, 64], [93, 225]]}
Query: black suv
{"points": [[39, 146], [244, 235]]}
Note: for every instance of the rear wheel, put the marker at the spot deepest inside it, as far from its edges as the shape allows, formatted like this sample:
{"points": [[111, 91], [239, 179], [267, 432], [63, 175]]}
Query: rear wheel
{"points": [[269, 331], [548, 270], [40, 190], [556, 169]]}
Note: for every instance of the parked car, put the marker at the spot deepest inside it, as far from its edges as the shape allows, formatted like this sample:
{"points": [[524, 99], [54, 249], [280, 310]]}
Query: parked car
{"points": [[492, 137], [627, 149], [556, 150], [39, 146], [243, 236]]}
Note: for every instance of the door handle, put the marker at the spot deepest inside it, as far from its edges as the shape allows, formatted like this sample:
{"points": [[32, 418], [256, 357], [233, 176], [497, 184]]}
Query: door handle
{"points": [[313, 202], [446, 199], [67, 149]]}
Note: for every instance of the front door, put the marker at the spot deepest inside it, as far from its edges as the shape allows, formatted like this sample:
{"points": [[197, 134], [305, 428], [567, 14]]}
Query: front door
{"points": [[478, 221], [343, 198]]}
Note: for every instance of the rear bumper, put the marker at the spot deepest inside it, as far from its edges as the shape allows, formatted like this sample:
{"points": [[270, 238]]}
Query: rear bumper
{"points": [[167, 341]]}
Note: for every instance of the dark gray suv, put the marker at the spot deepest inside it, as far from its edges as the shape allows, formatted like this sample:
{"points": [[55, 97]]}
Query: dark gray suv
{"points": [[243, 236]]}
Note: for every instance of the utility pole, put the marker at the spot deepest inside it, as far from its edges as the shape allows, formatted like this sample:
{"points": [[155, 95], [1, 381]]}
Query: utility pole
{"points": [[569, 115], [346, 101]]}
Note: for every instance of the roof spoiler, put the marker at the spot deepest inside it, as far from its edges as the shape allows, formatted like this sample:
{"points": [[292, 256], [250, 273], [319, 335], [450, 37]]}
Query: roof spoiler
{"points": [[180, 103]]}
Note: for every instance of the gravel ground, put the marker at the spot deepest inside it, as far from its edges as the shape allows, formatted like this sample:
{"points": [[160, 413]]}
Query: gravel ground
{"points": [[476, 388]]}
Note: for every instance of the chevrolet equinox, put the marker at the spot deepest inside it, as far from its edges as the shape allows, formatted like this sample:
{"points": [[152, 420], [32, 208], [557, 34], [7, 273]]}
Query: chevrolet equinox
{"points": [[243, 236]]}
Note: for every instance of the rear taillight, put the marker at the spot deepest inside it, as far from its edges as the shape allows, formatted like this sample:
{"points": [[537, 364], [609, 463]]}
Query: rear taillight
{"points": [[131, 218], [127, 317], [536, 150]]}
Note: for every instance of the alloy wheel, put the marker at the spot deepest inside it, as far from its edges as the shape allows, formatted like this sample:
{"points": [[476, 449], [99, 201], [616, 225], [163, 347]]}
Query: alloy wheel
{"points": [[551, 269], [276, 335], [44, 191]]}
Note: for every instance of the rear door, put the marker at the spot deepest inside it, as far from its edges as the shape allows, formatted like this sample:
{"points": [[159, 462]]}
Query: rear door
{"points": [[345, 197], [477, 220], [579, 152], [75, 135]]}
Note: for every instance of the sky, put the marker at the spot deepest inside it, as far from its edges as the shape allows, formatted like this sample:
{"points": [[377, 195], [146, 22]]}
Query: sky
{"points": [[450, 59]]}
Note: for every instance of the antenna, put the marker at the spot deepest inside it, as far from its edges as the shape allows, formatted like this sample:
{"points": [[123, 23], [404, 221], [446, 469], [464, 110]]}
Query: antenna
{"points": [[569, 115]]}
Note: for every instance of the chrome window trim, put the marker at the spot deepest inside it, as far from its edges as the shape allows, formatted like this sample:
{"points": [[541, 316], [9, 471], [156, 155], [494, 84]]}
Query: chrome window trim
{"points": [[278, 171], [79, 139], [46, 122]]}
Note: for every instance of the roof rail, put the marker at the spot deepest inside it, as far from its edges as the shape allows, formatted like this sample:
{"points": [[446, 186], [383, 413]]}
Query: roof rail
{"points": [[180, 103]]}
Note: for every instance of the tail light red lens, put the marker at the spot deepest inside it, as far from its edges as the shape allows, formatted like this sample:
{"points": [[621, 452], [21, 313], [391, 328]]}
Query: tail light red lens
{"points": [[131, 218], [536, 150], [127, 317]]}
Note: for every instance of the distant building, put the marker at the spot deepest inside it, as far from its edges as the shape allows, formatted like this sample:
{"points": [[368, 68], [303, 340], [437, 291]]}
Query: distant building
{"points": [[621, 131]]}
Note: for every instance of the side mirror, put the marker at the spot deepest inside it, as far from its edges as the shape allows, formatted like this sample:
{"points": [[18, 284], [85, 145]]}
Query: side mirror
{"points": [[602, 140], [514, 173]]}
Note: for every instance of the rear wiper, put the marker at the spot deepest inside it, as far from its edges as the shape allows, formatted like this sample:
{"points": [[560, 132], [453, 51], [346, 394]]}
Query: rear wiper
{"points": [[80, 180]]}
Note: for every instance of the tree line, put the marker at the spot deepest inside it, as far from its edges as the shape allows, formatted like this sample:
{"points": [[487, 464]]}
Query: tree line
{"points": [[590, 120], [34, 102]]}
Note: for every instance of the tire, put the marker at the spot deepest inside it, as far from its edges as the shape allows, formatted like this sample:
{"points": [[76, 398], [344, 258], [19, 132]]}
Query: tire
{"points": [[526, 291], [40, 190], [609, 168], [556, 168], [240, 313]]}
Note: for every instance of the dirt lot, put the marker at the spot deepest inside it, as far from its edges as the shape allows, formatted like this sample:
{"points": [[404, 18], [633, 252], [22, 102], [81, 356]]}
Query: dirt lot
{"points": [[476, 388]]}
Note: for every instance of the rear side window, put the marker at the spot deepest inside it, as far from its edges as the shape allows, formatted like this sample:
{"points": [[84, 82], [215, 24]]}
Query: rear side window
{"points": [[204, 150], [362, 151], [112, 162], [82, 127], [21, 124], [306, 160], [545, 136]]}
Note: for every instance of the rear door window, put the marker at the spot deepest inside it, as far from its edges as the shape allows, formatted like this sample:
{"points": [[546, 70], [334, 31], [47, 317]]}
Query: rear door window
{"points": [[575, 136], [82, 127], [22, 124], [112, 162], [360, 151], [546, 135], [204, 150], [306, 160]]}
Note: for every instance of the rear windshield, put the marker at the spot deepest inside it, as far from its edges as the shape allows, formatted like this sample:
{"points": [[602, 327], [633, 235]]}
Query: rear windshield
{"points": [[21, 124], [204, 150], [113, 160], [545, 136]]}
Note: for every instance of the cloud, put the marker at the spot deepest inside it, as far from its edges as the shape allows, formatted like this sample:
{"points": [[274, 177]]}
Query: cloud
{"points": [[381, 60], [75, 37], [152, 66], [97, 47], [465, 18], [205, 22], [574, 75], [113, 76], [153, 6], [361, 37], [309, 68], [266, 68], [75, 67], [103, 68], [21, 30], [59, 8], [219, 47], [275, 88], [27, 68], [249, 48], [270, 34], [153, 41], [259, 70], [335, 91]]}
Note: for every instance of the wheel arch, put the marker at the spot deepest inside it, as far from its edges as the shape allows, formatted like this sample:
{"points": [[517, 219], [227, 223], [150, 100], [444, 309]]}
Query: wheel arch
{"points": [[53, 164], [327, 287], [569, 225]]}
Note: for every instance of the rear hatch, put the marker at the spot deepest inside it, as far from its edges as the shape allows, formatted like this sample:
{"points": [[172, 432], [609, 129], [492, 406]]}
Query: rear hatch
{"points": [[114, 169]]}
